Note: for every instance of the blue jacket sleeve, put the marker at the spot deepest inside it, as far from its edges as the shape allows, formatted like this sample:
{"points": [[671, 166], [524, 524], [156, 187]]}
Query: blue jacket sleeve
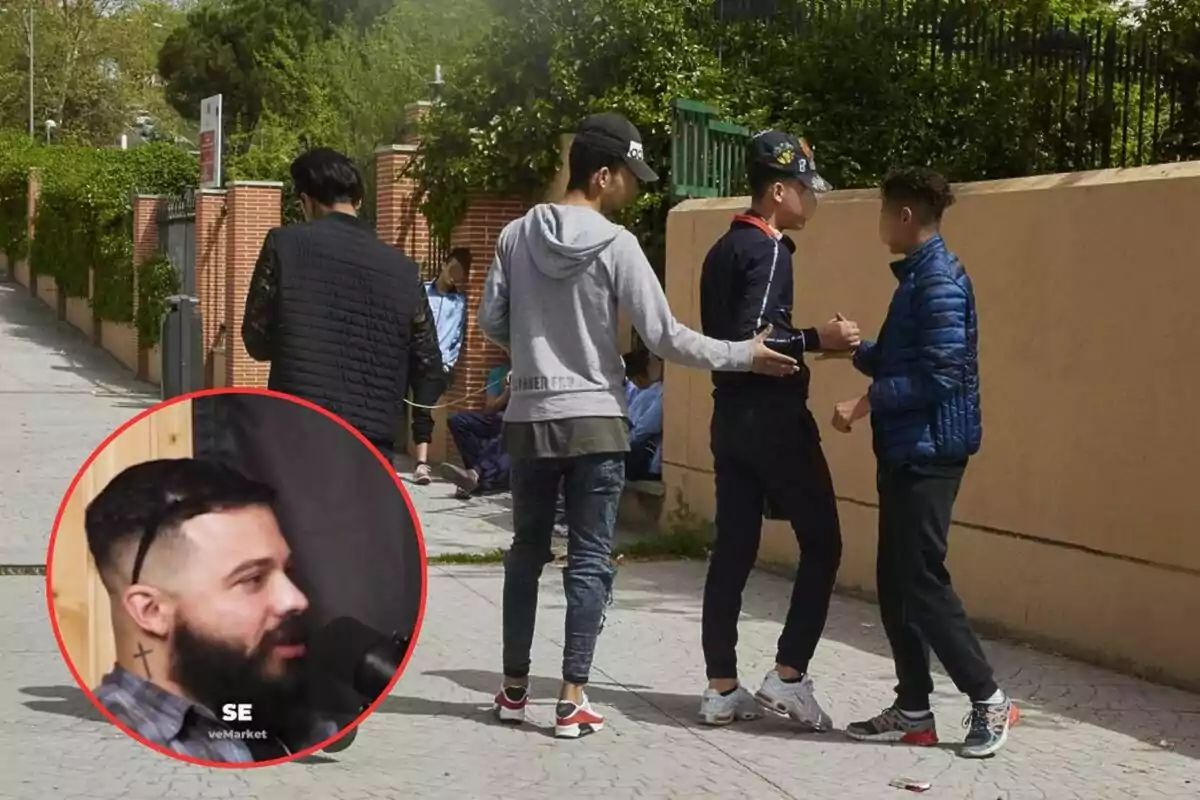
{"points": [[866, 358], [940, 307]]}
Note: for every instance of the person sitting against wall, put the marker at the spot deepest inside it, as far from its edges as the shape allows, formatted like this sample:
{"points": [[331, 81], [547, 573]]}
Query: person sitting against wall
{"points": [[448, 307], [645, 392], [478, 435]]}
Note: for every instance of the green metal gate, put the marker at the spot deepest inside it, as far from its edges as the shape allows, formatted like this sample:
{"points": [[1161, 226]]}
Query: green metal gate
{"points": [[708, 155]]}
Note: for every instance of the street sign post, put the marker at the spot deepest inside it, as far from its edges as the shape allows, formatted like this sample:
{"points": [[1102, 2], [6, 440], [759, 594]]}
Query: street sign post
{"points": [[210, 142]]}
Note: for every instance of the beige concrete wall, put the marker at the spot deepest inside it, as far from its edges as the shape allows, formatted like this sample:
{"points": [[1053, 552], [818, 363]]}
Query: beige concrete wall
{"points": [[1079, 522], [79, 314], [47, 291], [121, 340]]}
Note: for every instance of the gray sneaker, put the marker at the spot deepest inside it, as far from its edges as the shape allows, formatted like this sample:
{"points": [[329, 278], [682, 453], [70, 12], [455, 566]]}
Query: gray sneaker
{"points": [[722, 709], [891, 725], [797, 700], [465, 479], [987, 728]]}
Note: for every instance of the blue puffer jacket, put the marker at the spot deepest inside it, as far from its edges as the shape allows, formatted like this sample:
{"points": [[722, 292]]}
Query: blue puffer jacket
{"points": [[925, 366]]}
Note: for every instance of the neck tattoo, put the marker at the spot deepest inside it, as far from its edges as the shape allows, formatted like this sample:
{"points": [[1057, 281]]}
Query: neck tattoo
{"points": [[142, 653]]}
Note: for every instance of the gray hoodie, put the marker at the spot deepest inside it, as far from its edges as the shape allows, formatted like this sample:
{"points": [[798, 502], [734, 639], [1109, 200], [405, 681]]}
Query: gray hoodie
{"points": [[551, 297]]}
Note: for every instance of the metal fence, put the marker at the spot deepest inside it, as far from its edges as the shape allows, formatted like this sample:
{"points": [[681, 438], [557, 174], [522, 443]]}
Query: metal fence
{"points": [[182, 330], [1106, 92], [708, 155]]}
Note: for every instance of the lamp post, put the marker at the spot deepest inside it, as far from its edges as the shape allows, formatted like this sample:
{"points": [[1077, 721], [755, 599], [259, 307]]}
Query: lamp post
{"points": [[29, 33], [435, 85]]}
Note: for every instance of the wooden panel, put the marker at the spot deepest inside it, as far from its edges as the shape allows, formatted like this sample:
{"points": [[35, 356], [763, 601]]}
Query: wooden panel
{"points": [[80, 600]]}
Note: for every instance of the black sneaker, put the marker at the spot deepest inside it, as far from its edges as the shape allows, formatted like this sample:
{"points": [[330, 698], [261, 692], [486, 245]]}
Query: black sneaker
{"points": [[987, 728], [892, 725]]}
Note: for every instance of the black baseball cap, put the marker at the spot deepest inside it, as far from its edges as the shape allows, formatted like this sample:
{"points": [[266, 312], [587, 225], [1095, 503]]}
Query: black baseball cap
{"points": [[777, 151], [612, 133]]}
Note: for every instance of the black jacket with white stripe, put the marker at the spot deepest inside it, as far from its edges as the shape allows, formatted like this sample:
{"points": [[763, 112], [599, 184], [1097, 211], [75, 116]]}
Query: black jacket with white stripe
{"points": [[745, 285]]}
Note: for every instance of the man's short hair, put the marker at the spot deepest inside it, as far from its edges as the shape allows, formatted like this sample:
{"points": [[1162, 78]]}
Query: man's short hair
{"points": [[463, 256], [637, 363], [584, 161], [328, 177], [924, 190], [151, 500]]}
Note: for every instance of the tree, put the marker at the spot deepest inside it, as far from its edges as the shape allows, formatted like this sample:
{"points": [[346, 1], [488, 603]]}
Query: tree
{"points": [[229, 48], [94, 61], [543, 66]]}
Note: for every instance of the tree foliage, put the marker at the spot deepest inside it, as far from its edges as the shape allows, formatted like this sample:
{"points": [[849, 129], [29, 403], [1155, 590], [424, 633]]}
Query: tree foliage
{"points": [[545, 64], [94, 66]]}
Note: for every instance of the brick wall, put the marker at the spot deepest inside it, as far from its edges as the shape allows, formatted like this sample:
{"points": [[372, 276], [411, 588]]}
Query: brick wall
{"points": [[480, 227], [400, 223], [254, 208], [145, 244]]}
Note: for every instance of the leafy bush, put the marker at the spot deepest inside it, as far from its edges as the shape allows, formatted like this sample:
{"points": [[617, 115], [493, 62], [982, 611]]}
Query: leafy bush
{"points": [[157, 279], [84, 217], [84, 213], [16, 156]]}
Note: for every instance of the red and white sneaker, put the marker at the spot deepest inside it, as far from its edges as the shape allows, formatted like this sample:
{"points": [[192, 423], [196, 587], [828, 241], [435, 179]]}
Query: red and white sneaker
{"points": [[573, 720], [509, 705]]}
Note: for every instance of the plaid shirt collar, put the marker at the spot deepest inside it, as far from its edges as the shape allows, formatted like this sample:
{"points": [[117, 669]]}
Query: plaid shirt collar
{"points": [[167, 719]]}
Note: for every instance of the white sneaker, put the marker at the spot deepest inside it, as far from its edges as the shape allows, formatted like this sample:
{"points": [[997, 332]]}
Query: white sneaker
{"points": [[795, 700], [721, 709]]}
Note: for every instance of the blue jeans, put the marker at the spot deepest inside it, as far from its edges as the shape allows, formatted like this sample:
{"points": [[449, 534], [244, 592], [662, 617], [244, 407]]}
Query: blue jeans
{"points": [[592, 486]]}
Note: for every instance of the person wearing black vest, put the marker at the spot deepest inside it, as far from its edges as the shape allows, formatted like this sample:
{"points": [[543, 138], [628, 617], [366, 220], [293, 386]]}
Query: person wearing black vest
{"points": [[766, 447], [342, 317]]}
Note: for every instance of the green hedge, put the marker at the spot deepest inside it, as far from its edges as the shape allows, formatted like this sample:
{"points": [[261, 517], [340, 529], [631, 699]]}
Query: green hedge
{"points": [[157, 279], [84, 214], [16, 155]]}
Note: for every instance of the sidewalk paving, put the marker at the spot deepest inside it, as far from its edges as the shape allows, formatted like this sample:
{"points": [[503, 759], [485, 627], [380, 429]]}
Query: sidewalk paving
{"points": [[60, 396], [1087, 733]]}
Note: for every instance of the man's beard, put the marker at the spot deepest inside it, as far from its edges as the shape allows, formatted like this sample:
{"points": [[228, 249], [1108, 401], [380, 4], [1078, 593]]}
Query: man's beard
{"points": [[214, 673]]}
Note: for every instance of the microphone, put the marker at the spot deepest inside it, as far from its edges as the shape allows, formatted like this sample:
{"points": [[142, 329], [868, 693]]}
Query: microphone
{"points": [[359, 655]]}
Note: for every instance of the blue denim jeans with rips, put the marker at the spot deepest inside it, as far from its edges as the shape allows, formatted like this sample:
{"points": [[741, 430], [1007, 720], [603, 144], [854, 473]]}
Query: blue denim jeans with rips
{"points": [[592, 486]]}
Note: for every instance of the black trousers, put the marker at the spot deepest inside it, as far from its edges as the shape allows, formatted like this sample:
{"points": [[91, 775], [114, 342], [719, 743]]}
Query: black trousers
{"points": [[918, 604], [768, 451], [427, 394]]}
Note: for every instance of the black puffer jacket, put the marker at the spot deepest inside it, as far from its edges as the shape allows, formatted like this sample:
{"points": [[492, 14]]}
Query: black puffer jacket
{"points": [[344, 321]]}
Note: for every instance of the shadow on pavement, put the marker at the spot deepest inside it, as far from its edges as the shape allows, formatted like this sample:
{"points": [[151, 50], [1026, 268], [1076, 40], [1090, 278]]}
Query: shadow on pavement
{"points": [[26, 317], [67, 701], [639, 705]]}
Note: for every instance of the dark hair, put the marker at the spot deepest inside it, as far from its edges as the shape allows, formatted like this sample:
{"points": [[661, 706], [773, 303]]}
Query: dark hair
{"points": [[925, 191], [761, 179], [463, 256], [327, 176], [154, 498], [637, 362], [585, 161]]}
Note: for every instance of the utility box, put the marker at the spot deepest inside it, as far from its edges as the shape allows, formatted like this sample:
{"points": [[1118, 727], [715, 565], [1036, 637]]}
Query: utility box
{"points": [[182, 348]]}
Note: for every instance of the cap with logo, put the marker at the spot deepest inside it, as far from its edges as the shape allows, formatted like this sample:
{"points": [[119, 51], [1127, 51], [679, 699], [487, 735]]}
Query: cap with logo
{"points": [[781, 152], [612, 133]]}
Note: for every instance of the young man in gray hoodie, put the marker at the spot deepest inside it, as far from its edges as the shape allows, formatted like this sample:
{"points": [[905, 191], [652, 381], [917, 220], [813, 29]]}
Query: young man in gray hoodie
{"points": [[551, 299]]}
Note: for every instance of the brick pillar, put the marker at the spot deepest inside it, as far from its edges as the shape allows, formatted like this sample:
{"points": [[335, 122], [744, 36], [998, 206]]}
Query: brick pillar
{"points": [[398, 217], [254, 208], [486, 216], [145, 244], [31, 204]]}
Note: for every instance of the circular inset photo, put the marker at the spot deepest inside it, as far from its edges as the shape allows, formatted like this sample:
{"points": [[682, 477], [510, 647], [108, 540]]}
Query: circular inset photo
{"points": [[236, 578]]}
